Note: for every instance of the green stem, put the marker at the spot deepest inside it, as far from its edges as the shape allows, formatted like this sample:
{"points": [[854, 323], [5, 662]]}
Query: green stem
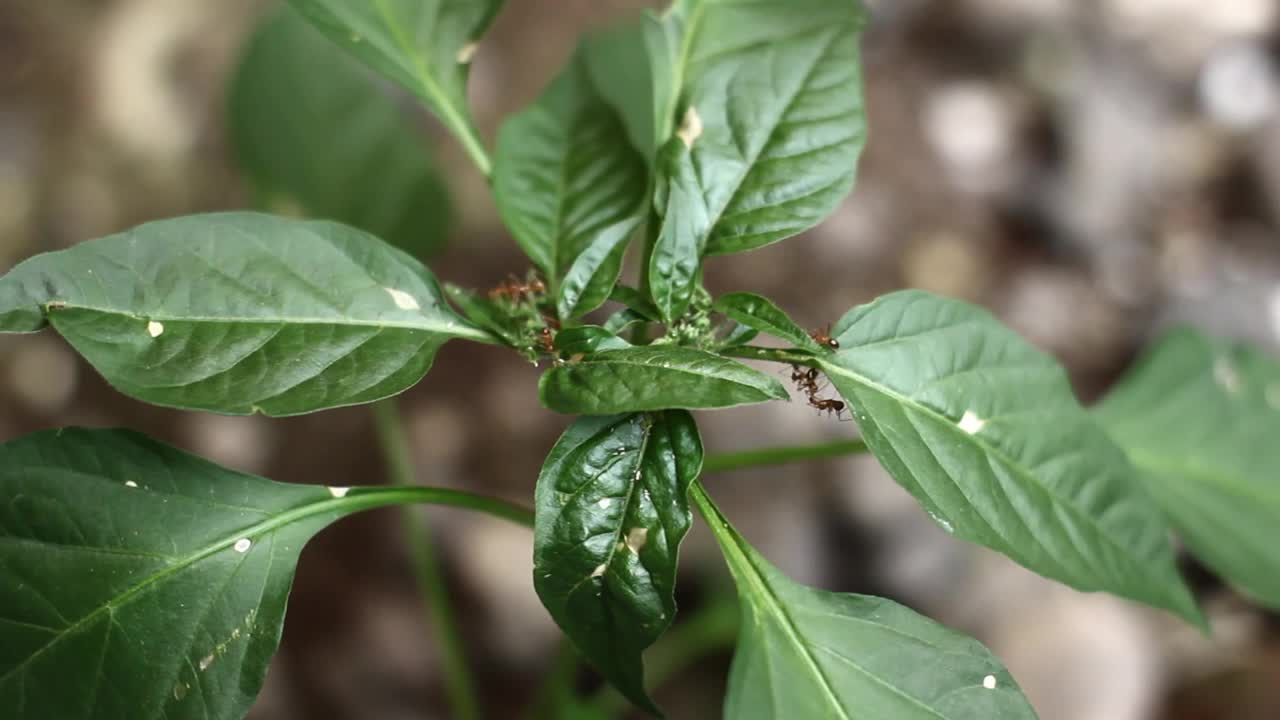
{"points": [[781, 455], [557, 691], [712, 628], [358, 499], [458, 681]]}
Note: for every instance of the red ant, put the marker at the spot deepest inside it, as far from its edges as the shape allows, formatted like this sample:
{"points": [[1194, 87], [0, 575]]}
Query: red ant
{"points": [[547, 335], [806, 380], [516, 291], [823, 337]]}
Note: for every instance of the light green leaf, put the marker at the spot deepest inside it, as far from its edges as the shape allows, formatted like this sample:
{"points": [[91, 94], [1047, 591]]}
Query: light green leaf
{"points": [[760, 313], [623, 319], [140, 582], [1200, 419], [631, 65], [807, 653], [571, 188], [293, 94], [653, 377], [612, 509], [768, 95], [239, 312], [985, 432], [424, 45]]}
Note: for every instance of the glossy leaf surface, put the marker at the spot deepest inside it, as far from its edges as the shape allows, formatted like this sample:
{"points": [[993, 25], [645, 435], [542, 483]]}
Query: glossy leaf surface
{"points": [[239, 312], [807, 653], [1201, 419], [140, 582], [653, 378], [986, 433], [571, 188], [766, 99], [588, 339], [293, 94], [760, 313], [612, 508], [424, 45]]}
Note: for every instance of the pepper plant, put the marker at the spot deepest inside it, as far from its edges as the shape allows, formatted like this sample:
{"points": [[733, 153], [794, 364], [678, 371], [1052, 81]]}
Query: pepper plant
{"points": [[139, 581]]}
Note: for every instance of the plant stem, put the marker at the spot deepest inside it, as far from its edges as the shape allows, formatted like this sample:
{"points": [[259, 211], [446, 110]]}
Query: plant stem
{"points": [[458, 682], [357, 499], [713, 627], [781, 455], [557, 691]]}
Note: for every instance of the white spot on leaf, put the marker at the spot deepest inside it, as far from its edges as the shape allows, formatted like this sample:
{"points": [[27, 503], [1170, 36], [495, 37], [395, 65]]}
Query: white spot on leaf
{"points": [[339, 491], [599, 570], [155, 328], [130, 483], [466, 52], [1225, 374], [971, 423], [690, 127], [604, 503], [943, 522], [989, 682], [403, 300], [636, 539], [243, 544], [205, 662]]}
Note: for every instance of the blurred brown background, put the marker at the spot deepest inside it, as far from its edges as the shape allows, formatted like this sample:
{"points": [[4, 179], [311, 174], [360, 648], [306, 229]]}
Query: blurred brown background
{"points": [[1092, 170]]}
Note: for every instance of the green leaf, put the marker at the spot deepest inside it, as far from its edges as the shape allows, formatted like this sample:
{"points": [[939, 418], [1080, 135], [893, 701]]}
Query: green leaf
{"points": [[137, 581], [631, 65], [736, 336], [769, 97], [239, 312], [1200, 419], [985, 432], [571, 188], [760, 313], [653, 377], [623, 319], [293, 93], [635, 300], [588, 339], [612, 508], [674, 266], [807, 653], [424, 45]]}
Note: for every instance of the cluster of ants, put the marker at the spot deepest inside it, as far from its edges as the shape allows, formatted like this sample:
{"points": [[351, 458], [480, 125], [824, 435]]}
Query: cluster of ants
{"points": [[517, 292], [806, 379]]}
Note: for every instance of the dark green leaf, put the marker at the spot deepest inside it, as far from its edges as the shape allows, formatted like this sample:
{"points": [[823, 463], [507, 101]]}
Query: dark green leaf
{"points": [[137, 581], [985, 432], [623, 319], [240, 312], [588, 339], [769, 97], [737, 336], [293, 94], [571, 188], [1201, 419], [424, 45], [760, 313], [612, 508], [635, 300], [653, 377], [677, 253], [806, 653]]}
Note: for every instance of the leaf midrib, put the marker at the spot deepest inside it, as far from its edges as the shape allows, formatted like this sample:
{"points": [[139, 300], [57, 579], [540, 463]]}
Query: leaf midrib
{"points": [[761, 589], [254, 533], [683, 370], [990, 451], [458, 329]]}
